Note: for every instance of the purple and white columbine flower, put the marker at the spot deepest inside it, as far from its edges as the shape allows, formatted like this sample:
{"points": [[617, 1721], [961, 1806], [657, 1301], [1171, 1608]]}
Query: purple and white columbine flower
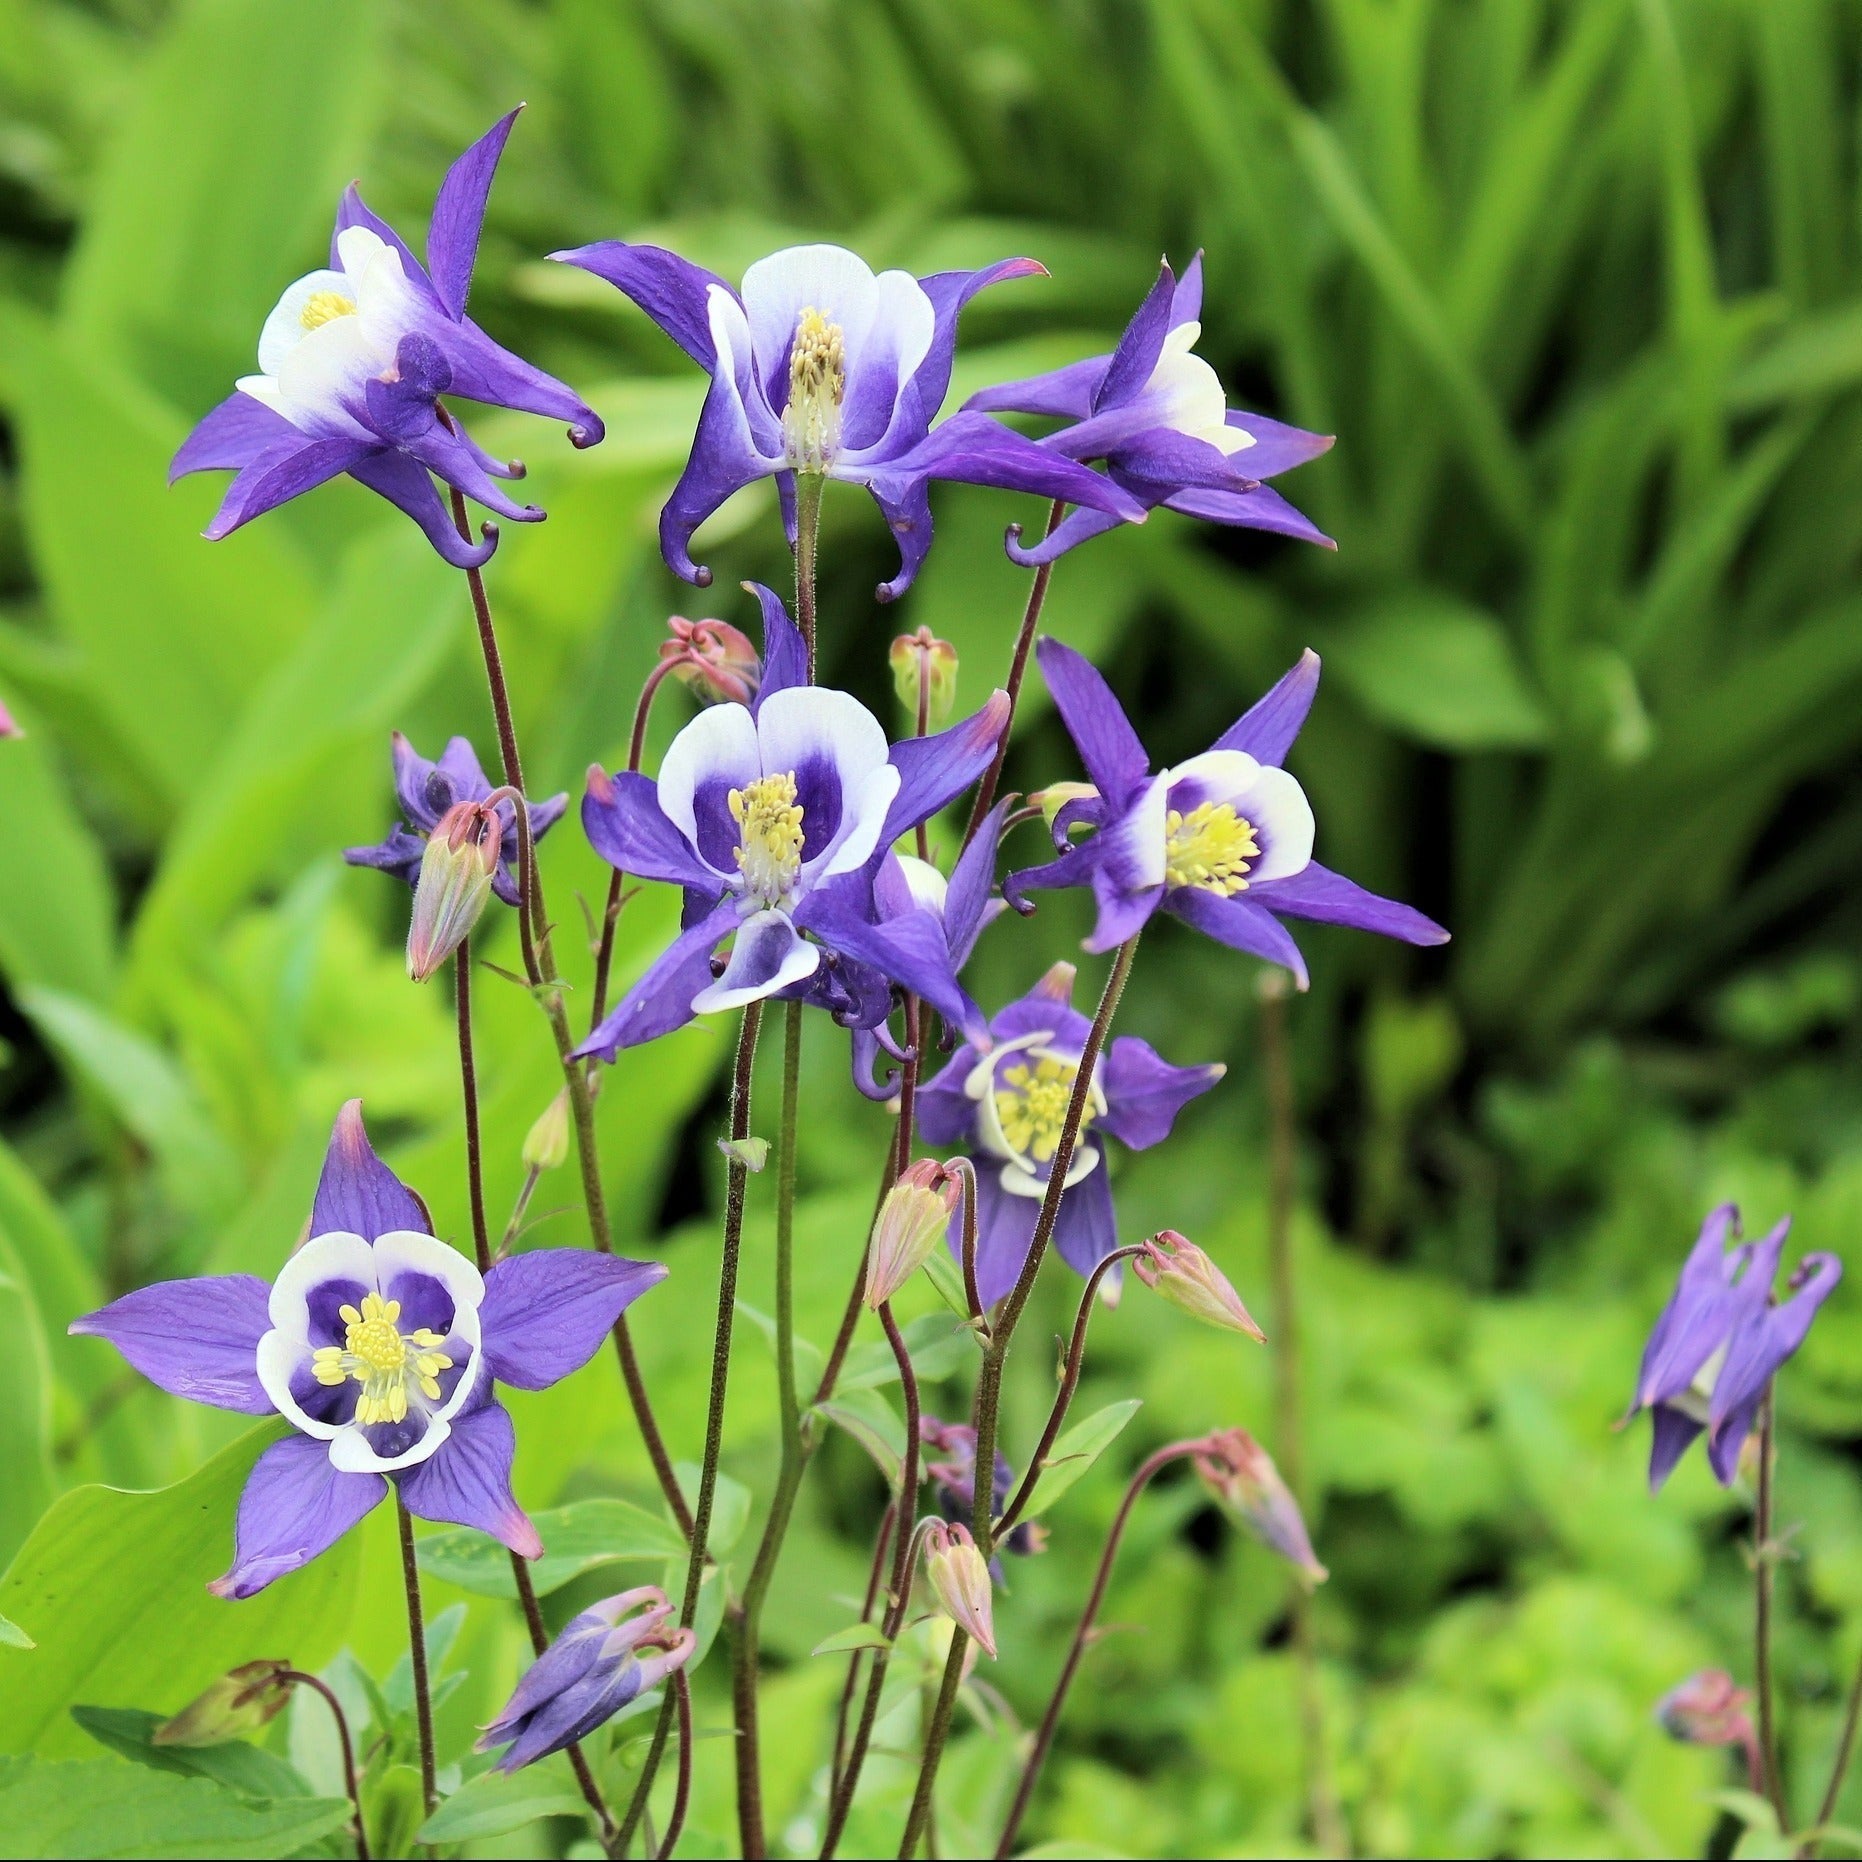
{"points": [[953, 1484], [774, 817], [352, 363], [427, 792], [381, 1346], [1156, 413], [820, 367], [1720, 1341], [1005, 1105], [1224, 840]]}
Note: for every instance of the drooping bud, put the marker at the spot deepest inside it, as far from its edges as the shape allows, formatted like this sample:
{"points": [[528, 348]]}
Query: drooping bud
{"points": [[1176, 1269], [1707, 1709], [923, 665], [546, 1144], [454, 884], [1241, 1475], [912, 1221], [713, 660], [961, 1580], [240, 1702]]}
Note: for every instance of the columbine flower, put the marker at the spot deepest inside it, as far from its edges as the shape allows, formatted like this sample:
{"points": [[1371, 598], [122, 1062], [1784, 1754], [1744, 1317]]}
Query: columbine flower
{"points": [[960, 1579], [1224, 841], [774, 817], [953, 1480], [1720, 1340], [428, 792], [1708, 1709], [1156, 413], [610, 1654], [1177, 1270], [353, 362], [1006, 1104], [380, 1345], [713, 660], [819, 367], [911, 1221], [1241, 1475]]}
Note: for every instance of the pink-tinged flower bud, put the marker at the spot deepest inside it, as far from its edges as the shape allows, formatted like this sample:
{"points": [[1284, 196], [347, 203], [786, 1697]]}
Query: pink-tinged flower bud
{"points": [[658, 1660], [921, 662], [8, 726], [1707, 1709], [240, 1702], [546, 1144], [713, 660], [1177, 1270], [455, 882], [912, 1221], [1241, 1475], [960, 1577]]}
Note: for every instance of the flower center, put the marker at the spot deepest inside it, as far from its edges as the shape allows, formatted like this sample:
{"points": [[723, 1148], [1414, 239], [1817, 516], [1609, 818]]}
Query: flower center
{"points": [[1211, 847], [323, 307], [817, 386], [1032, 1097], [770, 851], [382, 1359]]}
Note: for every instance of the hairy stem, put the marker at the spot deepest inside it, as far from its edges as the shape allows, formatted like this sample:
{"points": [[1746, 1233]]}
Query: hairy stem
{"points": [[682, 1788], [935, 1735], [417, 1655], [1839, 1770], [882, 1544], [808, 489], [297, 1678]]}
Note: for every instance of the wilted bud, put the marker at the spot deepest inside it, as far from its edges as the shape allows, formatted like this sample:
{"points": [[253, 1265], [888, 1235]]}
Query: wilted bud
{"points": [[1707, 1709], [1177, 1270], [912, 1221], [923, 662], [546, 1144], [713, 660], [1242, 1476], [454, 883], [239, 1703], [961, 1580]]}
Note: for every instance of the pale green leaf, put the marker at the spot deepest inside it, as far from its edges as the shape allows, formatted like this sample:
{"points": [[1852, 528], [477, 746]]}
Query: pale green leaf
{"points": [[1076, 1451], [576, 1538]]}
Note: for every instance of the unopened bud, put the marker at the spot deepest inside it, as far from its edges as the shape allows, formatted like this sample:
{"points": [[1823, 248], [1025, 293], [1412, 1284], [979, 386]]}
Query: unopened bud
{"points": [[922, 663], [240, 1702], [8, 726], [1707, 1709], [1057, 795], [914, 1219], [713, 660], [454, 884], [1177, 1270], [1241, 1475], [546, 1144], [961, 1580]]}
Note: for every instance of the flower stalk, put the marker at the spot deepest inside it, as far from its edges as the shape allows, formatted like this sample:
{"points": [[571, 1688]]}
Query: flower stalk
{"points": [[417, 1657], [1764, 1571], [296, 1677]]}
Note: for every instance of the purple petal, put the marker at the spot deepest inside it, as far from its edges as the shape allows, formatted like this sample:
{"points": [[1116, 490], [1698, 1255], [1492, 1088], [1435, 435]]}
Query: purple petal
{"points": [[581, 1708], [1138, 349], [934, 771], [671, 290], [233, 435], [466, 1481], [546, 1312], [451, 457], [1075, 528], [295, 1505], [1694, 1323], [1767, 1337], [358, 1194], [1266, 730], [625, 824], [1316, 892], [197, 1339], [1673, 1431], [912, 951], [1085, 1225], [866, 1048], [1005, 1227], [1263, 508], [1277, 447], [459, 212], [785, 653], [1187, 305], [724, 460], [286, 470], [905, 504], [1161, 463], [946, 1113], [1240, 924], [1115, 760], [949, 292], [486, 371], [972, 882], [406, 485], [662, 999], [1144, 1092], [1077, 866], [1066, 393]]}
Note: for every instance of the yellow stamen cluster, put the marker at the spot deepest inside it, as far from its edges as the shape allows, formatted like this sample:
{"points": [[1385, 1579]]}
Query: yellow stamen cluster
{"points": [[817, 386], [323, 307], [771, 822], [1211, 847], [382, 1359], [1031, 1105]]}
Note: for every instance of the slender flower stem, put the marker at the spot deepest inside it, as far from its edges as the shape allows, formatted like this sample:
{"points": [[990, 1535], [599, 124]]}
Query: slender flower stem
{"points": [[1044, 1738], [682, 1790], [735, 1180], [808, 489], [1018, 670], [1845, 1750], [578, 1761], [417, 1655], [972, 1293], [1763, 1566], [297, 1678], [882, 1544], [935, 1735], [468, 1086], [745, 1645], [856, 1294]]}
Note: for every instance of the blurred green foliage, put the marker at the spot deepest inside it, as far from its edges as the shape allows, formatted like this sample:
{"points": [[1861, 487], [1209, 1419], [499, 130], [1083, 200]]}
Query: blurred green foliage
{"points": [[1578, 285]]}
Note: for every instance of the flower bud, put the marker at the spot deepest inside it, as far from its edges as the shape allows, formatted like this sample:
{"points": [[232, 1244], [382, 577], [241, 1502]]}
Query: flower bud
{"points": [[455, 882], [240, 1702], [713, 660], [1177, 1270], [1707, 1709], [8, 726], [546, 1144], [1057, 795], [1241, 1475], [923, 662], [914, 1219], [961, 1580]]}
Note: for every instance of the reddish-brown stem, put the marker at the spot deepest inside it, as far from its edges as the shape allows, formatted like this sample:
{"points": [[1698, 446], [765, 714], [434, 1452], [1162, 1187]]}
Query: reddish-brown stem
{"points": [[296, 1677], [882, 1544], [682, 1788], [417, 1656], [972, 1293]]}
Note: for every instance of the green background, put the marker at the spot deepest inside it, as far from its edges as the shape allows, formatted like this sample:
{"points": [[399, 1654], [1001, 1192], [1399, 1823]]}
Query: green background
{"points": [[1579, 288]]}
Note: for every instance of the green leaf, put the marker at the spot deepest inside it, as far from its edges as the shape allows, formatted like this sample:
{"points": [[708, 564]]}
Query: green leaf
{"points": [[935, 1345], [873, 1423], [730, 1509], [104, 1808], [26, 1485], [57, 911], [1077, 1450], [13, 1637], [494, 1804], [237, 1764], [576, 1538], [854, 1636], [113, 1587]]}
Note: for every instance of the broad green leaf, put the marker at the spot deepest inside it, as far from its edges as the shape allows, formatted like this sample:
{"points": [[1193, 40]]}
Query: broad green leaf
{"points": [[26, 1403], [935, 1345], [112, 1587], [13, 1637], [871, 1420], [238, 1765], [576, 1538], [57, 912], [494, 1804], [36, 1239], [1076, 1451], [854, 1636], [730, 1508], [105, 1808]]}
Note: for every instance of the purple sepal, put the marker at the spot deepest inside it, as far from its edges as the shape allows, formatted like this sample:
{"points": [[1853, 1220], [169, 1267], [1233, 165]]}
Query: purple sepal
{"points": [[1241, 924], [466, 1481], [1330, 898], [912, 951], [625, 824], [1674, 1431], [295, 1506], [197, 1339], [357, 1193], [459, 213], [785, 653], [230, 437], [1261, 508], [933, 771], [1005, 1228], [1144, 1092], [969, 904], [546, 1312], [1115, 760], [1085, 1225], [1140, 346], [671, 290], [1066, 393], [1266, 730], [662, 999], [1694, 1323], [287, 469]]}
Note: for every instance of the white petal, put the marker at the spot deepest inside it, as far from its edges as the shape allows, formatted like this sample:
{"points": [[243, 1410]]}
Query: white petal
{"points": [[357, 247], [350, 1452], [749, 976], [335, 1256], [1134, 843], [863, 819], [324, 374], [928, 887], [264, 390], [1218, 775], [284, 328], [1283, 822], [811, 725], [829, 279], [1187, 394], [281, 1356], [407, 1250], [719, 744]]}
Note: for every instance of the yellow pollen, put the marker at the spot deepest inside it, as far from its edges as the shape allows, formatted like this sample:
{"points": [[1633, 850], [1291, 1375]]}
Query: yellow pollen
{"points": [[770, 819], [1211, 847], [817, 386], [323, 307], [1031, 1104], [383, 1359]]}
